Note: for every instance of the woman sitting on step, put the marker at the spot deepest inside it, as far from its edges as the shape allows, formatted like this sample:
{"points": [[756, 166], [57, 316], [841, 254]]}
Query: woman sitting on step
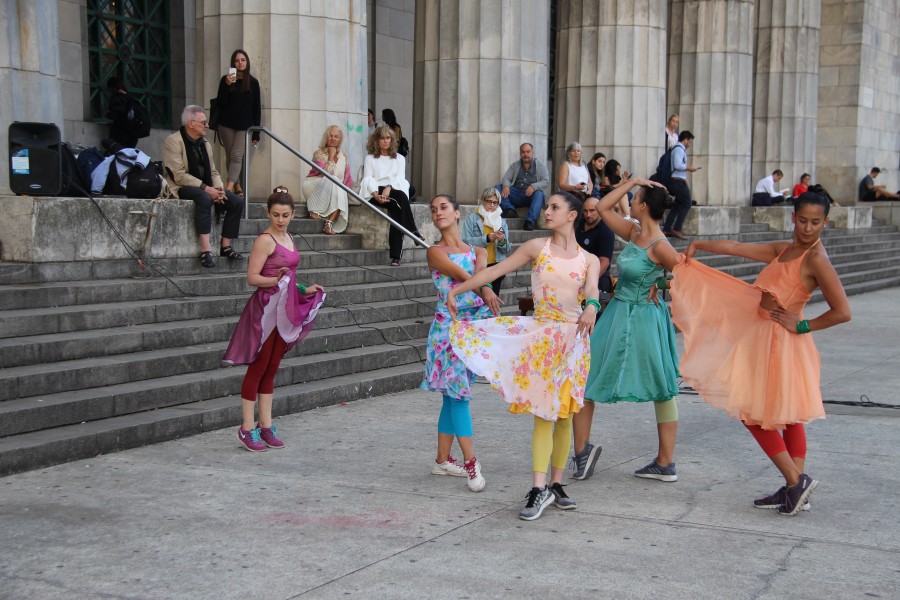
{"points": [[279, 314], [323, 198]]}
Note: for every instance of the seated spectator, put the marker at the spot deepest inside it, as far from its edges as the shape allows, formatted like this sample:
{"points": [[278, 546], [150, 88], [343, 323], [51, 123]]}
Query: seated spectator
{"points": [[525, 183], [597, 238], [765, 193], [595, 170], [613, 178], [802, 187], [869, 192], [573, 175], [384, 180], [323, 198], [486, 228], [192, 175]]}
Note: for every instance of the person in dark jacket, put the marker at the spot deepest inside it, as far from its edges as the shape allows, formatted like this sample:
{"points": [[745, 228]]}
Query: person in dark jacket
{"points": [[119, 103], [240, 108]]}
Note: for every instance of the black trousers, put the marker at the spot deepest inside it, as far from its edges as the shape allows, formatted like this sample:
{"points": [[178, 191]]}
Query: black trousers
{"points": [[682, 192], [234, 210], [399, 210]]}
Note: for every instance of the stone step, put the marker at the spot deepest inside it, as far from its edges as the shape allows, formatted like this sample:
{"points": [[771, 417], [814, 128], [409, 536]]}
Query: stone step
{"points": [[84, 440], [56, 409], [753, 227]]}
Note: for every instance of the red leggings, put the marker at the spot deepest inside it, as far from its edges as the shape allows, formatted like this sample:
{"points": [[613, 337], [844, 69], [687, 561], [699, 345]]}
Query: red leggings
{"points": [[260, 377], [792, 440]]}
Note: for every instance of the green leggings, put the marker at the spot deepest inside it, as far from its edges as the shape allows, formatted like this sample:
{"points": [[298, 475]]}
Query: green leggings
{"points": [[666, 411], [550, 443]]}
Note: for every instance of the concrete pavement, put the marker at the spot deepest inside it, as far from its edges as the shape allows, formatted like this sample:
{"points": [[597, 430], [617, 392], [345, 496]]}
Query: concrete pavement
{"points": [[349, 509]]}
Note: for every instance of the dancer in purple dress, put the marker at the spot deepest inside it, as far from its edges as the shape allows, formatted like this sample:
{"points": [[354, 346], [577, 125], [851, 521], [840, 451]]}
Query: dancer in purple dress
{"points": [[279, 314]]}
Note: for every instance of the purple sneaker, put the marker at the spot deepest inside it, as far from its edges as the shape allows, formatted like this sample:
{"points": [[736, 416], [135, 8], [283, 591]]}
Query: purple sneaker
{"points": [[251, 440], [269, 436], [795, 496]]}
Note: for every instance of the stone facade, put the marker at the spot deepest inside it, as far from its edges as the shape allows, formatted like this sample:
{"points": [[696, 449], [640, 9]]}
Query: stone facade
{"points": [[761, 83], [786, 82], [610, 103], [481, 89]]}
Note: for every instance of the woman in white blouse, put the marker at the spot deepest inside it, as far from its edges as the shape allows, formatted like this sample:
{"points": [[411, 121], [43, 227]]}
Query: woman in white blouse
{"points": [[384, 180], [573, 175]]}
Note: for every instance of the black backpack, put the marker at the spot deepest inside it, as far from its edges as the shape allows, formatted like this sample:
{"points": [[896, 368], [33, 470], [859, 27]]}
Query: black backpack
{"points": [[403, 147], [138, 118], [146, 182], [664, 168]]}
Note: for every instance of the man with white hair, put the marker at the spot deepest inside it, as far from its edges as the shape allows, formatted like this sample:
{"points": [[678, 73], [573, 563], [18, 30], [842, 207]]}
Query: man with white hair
{"points": [[192, 175]]}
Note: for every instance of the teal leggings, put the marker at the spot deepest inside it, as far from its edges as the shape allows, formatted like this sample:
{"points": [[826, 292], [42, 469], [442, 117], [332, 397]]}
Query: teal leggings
{"points": [[455, 418]]}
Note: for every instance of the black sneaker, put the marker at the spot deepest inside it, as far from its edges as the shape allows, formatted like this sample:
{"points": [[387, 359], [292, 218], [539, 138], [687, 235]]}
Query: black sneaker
{"points": [[584, 463], [529, 226], [796, 496], [509, 214], [775, 500], [561, 500]]}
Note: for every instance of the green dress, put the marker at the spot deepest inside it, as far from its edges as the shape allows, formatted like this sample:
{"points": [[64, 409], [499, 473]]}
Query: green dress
{"points": [[634, 357]]}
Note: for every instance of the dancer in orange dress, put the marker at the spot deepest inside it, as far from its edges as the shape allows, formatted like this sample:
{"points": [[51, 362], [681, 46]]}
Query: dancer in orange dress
{"points": [[747, 348]]}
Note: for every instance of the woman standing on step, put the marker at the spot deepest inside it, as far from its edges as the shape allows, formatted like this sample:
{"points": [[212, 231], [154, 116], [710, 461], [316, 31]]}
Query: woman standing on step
{"points": [[747, 348], [451, 262], [239, 105], [539, 364], [633, 353], [279, 314]]}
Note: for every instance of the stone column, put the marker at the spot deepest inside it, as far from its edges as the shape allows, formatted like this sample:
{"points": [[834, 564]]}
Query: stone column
{"points": [[610, 81], [310, 59], [481, 89], [710, 87], [30, 75], [786, 91]]}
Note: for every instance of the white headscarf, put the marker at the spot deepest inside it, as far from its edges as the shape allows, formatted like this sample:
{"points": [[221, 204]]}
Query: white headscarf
{"points": [[492, 219]]}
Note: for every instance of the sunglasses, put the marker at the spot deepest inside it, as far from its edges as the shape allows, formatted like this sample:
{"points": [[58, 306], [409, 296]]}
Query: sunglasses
{"points": [[280, 190]]}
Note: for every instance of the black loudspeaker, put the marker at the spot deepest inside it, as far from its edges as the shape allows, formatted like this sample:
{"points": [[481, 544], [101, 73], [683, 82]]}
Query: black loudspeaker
{"points": [[35, 164]]}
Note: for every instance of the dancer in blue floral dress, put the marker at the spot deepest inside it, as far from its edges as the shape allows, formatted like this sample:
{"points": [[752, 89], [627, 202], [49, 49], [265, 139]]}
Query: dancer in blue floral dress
{"points": [[452, 262]]}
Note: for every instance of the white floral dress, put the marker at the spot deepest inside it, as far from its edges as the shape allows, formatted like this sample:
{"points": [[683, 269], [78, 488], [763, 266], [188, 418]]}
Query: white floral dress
{"points": [[538, 364]]}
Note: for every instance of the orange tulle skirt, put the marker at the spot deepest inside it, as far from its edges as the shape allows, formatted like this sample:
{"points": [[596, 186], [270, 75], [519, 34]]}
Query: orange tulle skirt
{"points": [[736, 357]]}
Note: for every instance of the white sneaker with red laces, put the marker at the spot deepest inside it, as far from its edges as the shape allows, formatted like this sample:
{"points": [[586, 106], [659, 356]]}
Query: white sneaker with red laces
{"points": [[473, 470], [448, 467]]}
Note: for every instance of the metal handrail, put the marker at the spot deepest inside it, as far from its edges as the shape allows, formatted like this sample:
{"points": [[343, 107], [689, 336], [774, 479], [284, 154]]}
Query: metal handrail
{"points": [[324, 173]]}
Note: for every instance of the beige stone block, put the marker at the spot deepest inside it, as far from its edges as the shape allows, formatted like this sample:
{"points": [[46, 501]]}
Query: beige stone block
{"points": [[713, 220], [778, 218], [839, 55], [70, 21], [851, 217]]}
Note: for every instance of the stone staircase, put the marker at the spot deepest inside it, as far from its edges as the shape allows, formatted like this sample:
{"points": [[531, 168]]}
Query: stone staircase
{"points": [[97, 357]]}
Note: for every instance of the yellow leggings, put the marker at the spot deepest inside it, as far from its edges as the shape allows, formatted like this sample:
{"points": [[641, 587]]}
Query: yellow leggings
{"points": [[550, 443]]}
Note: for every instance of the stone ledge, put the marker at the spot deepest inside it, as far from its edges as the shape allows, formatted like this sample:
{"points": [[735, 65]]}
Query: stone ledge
{"points": [[778, 218], [885, 210], [51, 229], [713, 220]]}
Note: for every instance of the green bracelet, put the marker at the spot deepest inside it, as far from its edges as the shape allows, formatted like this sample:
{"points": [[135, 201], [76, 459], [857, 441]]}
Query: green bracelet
{"points": [[592, 302], [803, 326], [662, 283], [301, 288]]}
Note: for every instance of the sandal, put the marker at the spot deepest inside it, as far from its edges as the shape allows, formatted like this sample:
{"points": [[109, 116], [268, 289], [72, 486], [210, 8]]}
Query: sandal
{"points": [[207, 260], [327, 229], [315, 216], [230, 253], [395, 263]]}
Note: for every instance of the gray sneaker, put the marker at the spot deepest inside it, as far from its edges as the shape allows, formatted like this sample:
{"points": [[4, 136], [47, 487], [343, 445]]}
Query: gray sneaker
{"points": [[538, 500], [656, 471], [585, 462], [561, 500]]}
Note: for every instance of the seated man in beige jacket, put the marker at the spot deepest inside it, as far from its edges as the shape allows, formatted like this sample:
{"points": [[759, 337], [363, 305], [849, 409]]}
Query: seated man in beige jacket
{"points": [[192, 175]]}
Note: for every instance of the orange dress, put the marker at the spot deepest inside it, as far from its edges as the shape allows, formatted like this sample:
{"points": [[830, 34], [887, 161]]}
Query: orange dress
{"points": [[735, 355]]}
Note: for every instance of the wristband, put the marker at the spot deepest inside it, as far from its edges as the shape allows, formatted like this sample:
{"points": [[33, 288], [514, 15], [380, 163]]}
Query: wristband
{"points": [[487, 285], [662, 283], [803, 326], [592, 302], [301, 288]]}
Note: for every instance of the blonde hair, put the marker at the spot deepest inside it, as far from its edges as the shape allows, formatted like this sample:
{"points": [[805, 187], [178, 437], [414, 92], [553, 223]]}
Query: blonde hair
{"points": [[380, 132]]}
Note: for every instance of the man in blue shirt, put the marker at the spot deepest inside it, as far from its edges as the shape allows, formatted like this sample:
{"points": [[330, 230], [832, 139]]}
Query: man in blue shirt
{"points": [[678, 186]]}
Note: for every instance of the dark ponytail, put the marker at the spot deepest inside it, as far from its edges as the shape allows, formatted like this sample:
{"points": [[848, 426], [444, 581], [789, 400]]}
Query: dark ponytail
{"points": [[658, 200]]}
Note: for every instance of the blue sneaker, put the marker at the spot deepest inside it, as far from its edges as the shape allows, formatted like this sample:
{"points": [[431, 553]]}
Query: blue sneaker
{"points": [[655, 471], [585, 461]]}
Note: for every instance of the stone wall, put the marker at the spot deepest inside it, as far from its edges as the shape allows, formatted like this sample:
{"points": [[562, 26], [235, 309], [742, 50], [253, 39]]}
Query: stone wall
{"points": [[859, 95]]}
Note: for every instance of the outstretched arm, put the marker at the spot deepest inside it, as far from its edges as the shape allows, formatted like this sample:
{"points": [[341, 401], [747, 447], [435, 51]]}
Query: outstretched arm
{"points": [[765, 253]]}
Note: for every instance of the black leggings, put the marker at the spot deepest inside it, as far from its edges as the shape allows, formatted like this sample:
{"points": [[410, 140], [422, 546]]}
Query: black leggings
{"points": [[399, 211]]}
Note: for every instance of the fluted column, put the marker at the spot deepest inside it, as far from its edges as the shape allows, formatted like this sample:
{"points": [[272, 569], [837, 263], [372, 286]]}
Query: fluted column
{"points": [[786, 94], [710, 87], [29, 68], [310, 59], [610, 82], [481, 89]]}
